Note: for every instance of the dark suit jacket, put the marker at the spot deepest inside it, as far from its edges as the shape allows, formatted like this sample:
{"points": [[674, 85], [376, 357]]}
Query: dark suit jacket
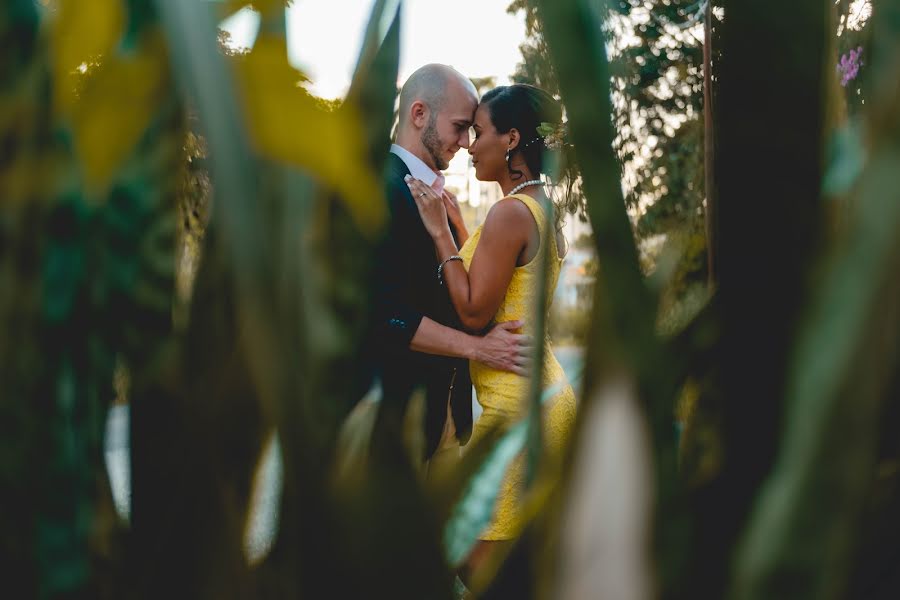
{"points": [[407, 290]]}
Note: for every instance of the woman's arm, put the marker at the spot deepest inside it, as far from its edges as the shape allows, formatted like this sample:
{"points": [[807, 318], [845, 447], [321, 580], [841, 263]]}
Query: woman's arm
{"points": [[477, 294]]}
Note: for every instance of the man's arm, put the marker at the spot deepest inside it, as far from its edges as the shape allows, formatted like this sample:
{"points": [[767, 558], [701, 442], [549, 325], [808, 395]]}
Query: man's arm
{"points": [[403, 326], [397, 317], [500, 349]]}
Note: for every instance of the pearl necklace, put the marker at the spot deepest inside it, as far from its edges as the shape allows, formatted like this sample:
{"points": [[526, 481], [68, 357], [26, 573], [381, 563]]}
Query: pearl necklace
{"points": [[524, 185]]}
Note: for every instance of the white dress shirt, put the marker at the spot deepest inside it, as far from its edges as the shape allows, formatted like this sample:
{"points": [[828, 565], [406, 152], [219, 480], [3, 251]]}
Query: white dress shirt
{"points": [[419, 170]]}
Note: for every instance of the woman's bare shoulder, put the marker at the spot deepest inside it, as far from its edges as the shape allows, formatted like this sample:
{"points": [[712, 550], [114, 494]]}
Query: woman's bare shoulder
{"points": [[509, 210]]}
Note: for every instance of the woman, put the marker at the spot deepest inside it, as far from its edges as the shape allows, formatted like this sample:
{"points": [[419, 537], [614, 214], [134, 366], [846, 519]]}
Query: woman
{"points": [[494, 276]]}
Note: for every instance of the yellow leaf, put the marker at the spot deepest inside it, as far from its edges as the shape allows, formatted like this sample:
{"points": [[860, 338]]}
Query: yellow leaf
{"points": [[286, 123], [81, 33], [116, 107]]}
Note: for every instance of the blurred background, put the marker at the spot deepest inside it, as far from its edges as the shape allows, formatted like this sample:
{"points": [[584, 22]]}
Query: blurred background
{"points": [[191, 202]]}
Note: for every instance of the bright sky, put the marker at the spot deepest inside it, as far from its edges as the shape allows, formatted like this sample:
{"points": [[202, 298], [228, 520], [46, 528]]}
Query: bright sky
{"points": [[477, 37]]}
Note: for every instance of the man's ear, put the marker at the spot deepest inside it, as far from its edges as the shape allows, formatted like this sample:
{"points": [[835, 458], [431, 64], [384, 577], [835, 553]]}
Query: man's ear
{"points": [[418, 114], [514, 138]]}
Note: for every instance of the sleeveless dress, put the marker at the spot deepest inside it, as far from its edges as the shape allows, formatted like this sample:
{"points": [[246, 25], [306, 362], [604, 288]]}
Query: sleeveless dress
{"points": [[503, 395]]}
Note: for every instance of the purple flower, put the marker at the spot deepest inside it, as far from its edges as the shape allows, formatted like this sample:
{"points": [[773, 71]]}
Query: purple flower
{"points": [[848, 67]]}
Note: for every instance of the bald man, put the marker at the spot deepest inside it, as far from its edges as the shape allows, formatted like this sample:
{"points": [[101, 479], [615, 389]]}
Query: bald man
{"points": [[423, 342]]}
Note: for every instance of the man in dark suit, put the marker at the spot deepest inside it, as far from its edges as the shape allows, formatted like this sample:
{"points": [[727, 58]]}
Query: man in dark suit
{"points": [[424, 346]]}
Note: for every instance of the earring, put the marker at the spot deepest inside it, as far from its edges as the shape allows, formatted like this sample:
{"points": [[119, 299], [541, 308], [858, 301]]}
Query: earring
{"points": [[507, 156]]}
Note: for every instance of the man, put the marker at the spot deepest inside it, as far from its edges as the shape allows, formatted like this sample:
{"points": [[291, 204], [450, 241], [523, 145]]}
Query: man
{"points": [[423, 345]]}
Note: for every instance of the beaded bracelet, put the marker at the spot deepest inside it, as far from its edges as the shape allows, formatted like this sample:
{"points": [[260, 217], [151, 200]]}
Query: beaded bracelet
{"points": [[440, 269]]}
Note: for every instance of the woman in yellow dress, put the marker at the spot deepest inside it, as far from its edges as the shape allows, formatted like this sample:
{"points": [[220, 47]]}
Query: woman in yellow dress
{"points": [[494, 276]]}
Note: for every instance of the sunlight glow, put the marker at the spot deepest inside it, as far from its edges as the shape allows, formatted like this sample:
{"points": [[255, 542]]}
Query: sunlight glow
{"points": [[477, 37]]}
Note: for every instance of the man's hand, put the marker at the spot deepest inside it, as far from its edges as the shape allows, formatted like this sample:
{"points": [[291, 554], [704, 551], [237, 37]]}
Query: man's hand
{"points": [[504, 350]]}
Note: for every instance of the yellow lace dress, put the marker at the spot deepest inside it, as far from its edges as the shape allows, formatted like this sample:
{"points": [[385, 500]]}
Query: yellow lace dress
{"points": [[503, 396]]}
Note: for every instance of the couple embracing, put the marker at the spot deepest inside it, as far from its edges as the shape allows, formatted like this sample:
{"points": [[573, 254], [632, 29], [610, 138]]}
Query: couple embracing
{"points": [[454, 308]]}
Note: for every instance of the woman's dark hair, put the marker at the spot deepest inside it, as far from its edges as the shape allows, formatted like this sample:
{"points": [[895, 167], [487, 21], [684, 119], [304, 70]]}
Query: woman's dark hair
{"points": [[523, 107]]}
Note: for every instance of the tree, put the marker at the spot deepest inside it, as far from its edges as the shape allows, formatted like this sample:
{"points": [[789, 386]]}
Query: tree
{"points": [[656, 66], [656, 60]]}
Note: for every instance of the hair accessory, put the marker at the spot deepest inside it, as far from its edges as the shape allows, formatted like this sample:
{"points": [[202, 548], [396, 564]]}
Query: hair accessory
{"points": [[554, 136]]}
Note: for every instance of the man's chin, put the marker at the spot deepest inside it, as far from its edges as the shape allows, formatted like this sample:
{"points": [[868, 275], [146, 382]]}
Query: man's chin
{"points": [[447, 159]]}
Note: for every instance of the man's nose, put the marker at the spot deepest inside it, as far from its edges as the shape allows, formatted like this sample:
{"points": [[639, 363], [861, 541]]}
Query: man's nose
{"points": [[464, 139]]}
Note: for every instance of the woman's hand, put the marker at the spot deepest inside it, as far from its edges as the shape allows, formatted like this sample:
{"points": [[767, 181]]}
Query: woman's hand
{"points": [[453, 209], [454, 212], [431, 207]]}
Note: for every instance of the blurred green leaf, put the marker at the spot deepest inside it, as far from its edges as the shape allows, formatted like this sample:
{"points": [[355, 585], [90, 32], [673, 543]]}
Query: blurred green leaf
{"points": [[476, 507], [845, 159], [373, 88], [414, 427], [806, 515], [534, 449], [354, 441], [622, 335], [480, 481], [608, 506], [804, 527], [576, 45]]}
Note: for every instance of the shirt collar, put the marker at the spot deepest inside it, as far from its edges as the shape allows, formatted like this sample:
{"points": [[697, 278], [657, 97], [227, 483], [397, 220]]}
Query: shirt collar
{"points": [[418, 168]]}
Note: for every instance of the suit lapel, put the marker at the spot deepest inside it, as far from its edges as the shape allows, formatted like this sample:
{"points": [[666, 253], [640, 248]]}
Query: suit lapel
{"points": [[399, 170]]}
